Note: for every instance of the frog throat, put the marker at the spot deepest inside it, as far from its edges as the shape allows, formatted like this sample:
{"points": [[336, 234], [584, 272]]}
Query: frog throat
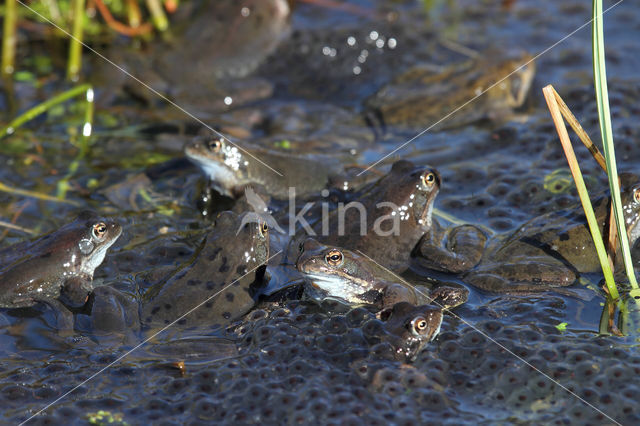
{"points": [[337, 286], [89, 263]]}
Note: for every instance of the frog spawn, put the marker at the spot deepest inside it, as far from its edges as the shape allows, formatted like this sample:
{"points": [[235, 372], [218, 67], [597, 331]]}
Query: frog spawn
{"points": [[299, 362]]}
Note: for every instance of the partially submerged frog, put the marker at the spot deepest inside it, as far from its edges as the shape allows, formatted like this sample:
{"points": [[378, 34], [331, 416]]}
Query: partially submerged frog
{"points": [[554, 249], [354, 278], [216, 286], [231, 168], [412, 328], [393, 218], [59, 263], [222, 42], [421, 97]]}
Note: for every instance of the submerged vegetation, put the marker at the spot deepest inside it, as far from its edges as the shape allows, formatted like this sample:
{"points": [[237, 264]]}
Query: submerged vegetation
{"points": [[74, 22]]}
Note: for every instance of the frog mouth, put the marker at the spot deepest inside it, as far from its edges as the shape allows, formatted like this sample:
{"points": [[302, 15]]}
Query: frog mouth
{"points": [[427, 212], [436, 331]]}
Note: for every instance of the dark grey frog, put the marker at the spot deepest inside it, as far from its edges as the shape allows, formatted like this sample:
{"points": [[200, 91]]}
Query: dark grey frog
{"points": [[218, 284]]}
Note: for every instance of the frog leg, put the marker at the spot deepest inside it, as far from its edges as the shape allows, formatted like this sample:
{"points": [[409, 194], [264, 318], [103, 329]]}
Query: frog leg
{"points": [[529, 277], [75, 291], [463, 250], [113, 311], [395, 293]]}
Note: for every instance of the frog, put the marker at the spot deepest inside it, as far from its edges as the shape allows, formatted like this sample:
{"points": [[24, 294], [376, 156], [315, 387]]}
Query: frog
{"points": [[223, 42], [231, 168], [552, 251], [218, 284], [396, 225], [57, 266], [411, 327], [422, 98], [354, 278]]}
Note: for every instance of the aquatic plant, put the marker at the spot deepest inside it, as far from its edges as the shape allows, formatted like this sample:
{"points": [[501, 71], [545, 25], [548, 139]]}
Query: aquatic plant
{"points": [[75, 44], [9, 38], [75, 16], [83, 145], [551, 97], [558, 110], [604, 118]]}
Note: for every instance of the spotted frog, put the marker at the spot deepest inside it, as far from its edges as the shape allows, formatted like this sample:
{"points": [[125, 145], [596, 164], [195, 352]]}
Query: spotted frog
{"points": [[422, 97], [393, 219], [553, 250], [231, 168], [354, 278], [59, 264], [216, 286]]}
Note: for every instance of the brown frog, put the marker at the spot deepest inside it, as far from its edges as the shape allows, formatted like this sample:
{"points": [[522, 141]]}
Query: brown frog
{"points": [[412, 328], [422, 97], [62, 262], [231, 168], [354, 278], [392, 219], [553, 250], [221, 277], [204, 64]]}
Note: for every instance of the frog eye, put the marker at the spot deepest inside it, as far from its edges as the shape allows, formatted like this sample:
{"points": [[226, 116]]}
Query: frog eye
{"points": [[264, 229], [429, 179], [334, 257], [636, 195], [419, 325], [214, 145], [99, 230]]}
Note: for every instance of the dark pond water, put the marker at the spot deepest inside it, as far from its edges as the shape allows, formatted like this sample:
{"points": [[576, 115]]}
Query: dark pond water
{"points": [[295, 362]]}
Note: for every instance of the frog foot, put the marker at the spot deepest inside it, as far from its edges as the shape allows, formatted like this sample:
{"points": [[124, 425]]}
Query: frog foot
{"points": [[449, 297], [463, 250]]}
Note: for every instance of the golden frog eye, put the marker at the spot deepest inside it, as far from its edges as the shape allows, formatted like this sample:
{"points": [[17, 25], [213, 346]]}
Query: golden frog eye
{"points": [[99, 230], [636, 195], [419, 325], [215, 145], [333, 257], [429, 179], [264, 229]]}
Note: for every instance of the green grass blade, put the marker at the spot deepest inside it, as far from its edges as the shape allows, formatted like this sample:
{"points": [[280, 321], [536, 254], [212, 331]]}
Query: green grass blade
{"points": [[75, 44], [44, 107], [9, 38], [602, 99], [157, 13]]}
